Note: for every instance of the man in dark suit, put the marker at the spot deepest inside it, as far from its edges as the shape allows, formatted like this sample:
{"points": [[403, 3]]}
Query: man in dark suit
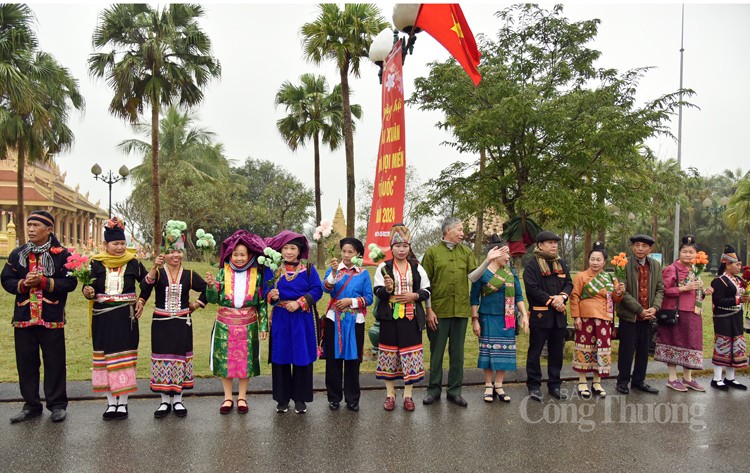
{"points": [[36, 275], [548, 287], [637, 311]]}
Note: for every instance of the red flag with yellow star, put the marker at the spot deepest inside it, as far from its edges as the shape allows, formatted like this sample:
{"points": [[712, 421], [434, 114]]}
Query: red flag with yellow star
{"points": [[446, 23]]}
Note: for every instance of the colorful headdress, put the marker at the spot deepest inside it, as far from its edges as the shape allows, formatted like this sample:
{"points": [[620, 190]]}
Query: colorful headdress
{"points": [[278, 241], [254, 243], [174, 239], [729, 255], [400, 234], [114, 230]]}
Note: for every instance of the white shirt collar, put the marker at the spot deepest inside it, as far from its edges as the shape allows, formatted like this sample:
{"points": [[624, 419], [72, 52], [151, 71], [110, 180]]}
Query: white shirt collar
{"points": [[354, 267]]}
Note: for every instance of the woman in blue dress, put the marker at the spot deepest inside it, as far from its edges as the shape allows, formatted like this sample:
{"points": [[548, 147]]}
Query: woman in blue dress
{"points": [[294, 289], [351, 292], [496, 297]]}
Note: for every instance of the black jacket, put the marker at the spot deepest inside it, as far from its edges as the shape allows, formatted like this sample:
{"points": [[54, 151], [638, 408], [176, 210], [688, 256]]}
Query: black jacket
{"points": [[538, 291], [724, 298], [384, 311], [54, 296]]}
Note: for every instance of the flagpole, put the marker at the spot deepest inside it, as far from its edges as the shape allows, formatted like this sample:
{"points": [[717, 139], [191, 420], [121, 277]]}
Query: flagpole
{"points": [[679, 137]]}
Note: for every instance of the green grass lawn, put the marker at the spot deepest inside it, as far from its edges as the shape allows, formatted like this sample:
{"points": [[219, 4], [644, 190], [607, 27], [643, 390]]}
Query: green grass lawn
{"points": [[79, 344]]}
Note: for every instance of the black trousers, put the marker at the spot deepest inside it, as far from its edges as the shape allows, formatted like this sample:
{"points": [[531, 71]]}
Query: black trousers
{"points": [[293, 382], [336, 368], [634, 340], [28, 342], [555, 339]]}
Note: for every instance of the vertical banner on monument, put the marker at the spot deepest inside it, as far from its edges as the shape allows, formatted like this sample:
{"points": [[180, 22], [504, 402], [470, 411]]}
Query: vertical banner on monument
{"points": [[390, 175]]}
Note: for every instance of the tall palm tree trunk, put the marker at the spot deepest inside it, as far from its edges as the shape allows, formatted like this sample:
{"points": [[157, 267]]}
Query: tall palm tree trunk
{"points": [[318, 210], [20, 216], [155, 173], [348, 149]]}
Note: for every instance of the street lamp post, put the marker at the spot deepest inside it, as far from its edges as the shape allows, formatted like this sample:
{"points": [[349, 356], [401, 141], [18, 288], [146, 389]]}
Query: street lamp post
{"points": [[404, 17], [110, 179], [714, 208]]}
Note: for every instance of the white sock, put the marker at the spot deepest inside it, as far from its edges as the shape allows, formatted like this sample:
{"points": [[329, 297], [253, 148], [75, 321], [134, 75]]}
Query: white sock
{"points": [[178, 398], [111, 400], [165, 398], [717, 374], [123, 400], [165, 403], [730, 374]]}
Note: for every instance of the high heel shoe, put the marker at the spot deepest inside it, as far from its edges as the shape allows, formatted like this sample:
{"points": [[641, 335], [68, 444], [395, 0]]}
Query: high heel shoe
{"points": [[598, 391], [489, 395], [500, 394]]}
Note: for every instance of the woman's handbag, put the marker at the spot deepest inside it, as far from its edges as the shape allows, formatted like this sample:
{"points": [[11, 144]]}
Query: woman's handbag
{"points": [[670, 316]]}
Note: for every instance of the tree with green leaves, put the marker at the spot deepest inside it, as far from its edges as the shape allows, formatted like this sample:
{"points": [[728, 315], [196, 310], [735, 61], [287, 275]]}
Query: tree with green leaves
{"points": [[564, 139], [313, 113], [344, 36], [37, 95], [737, 214], [156, 57], [189, 156]]}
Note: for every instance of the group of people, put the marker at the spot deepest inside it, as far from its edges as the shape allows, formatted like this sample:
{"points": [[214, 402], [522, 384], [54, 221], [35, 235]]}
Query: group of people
{"points": [[257, 300]]}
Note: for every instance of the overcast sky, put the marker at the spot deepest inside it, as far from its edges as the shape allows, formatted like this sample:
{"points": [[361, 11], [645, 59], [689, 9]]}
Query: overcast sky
{"points": [[259, 48]]}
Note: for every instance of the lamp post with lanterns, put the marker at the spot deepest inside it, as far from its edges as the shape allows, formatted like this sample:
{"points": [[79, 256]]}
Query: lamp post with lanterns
{"points": [[404, 17], [110, 178]]}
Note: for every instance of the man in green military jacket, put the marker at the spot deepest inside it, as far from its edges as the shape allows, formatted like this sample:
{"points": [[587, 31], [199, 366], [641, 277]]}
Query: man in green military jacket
{"points": [[448, 265]]}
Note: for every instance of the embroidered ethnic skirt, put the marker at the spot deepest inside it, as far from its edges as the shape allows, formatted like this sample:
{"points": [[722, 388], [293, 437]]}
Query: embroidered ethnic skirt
{"points": [[171, 355], [235, 349], [729, 342], [115, 339], [400, 352], [593, 346], [681, 344], [497, 344]]}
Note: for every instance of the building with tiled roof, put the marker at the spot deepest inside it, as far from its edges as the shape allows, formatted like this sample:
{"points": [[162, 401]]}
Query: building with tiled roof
{"points": [[78, 221]]}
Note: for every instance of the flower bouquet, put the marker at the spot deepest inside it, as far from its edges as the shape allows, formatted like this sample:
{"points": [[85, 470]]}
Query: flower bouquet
{"points": [[79, 267], [698, 265], [322, 237], [271, 259], [619, 262], [205, 243]]}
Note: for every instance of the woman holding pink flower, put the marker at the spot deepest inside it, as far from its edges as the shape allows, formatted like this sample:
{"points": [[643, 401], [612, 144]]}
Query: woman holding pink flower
{"points": [[682, 344], [114, 323], [351, 292]]}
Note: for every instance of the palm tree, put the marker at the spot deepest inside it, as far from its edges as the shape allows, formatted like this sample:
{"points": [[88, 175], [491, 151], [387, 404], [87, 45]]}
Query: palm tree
{"points": [[36, 102], [157, 57], [737, 214], [16, 38], [344, 36], [313, 113], [186, 150], [183, 145]]}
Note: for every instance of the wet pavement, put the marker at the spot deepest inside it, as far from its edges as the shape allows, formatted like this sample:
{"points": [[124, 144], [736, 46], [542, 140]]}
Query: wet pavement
{"points": [[667, 432]]}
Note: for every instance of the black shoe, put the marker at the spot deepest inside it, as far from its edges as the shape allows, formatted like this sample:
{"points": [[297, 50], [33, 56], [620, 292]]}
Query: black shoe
{"points": [[721, 387], [734, 384], [457, 400], [160, 413], [182, 411], [557, 394], [282, 407], [120, 415], [430, 399], [58, 415], [300, 407], [24, 415], [110, 414], [352, 407], [645, 388], [624, 389], [334, 406], [536, 394]]}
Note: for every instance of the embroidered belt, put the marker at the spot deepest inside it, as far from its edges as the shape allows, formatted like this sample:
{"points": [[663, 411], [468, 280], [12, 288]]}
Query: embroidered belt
{"points": [[734, 308], [104, 298], [164, 315], [38, 322], [232, 316]]}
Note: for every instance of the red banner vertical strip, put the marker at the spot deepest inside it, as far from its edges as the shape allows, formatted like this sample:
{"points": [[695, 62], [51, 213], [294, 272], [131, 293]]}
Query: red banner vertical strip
{"points": [[390, 174]]}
